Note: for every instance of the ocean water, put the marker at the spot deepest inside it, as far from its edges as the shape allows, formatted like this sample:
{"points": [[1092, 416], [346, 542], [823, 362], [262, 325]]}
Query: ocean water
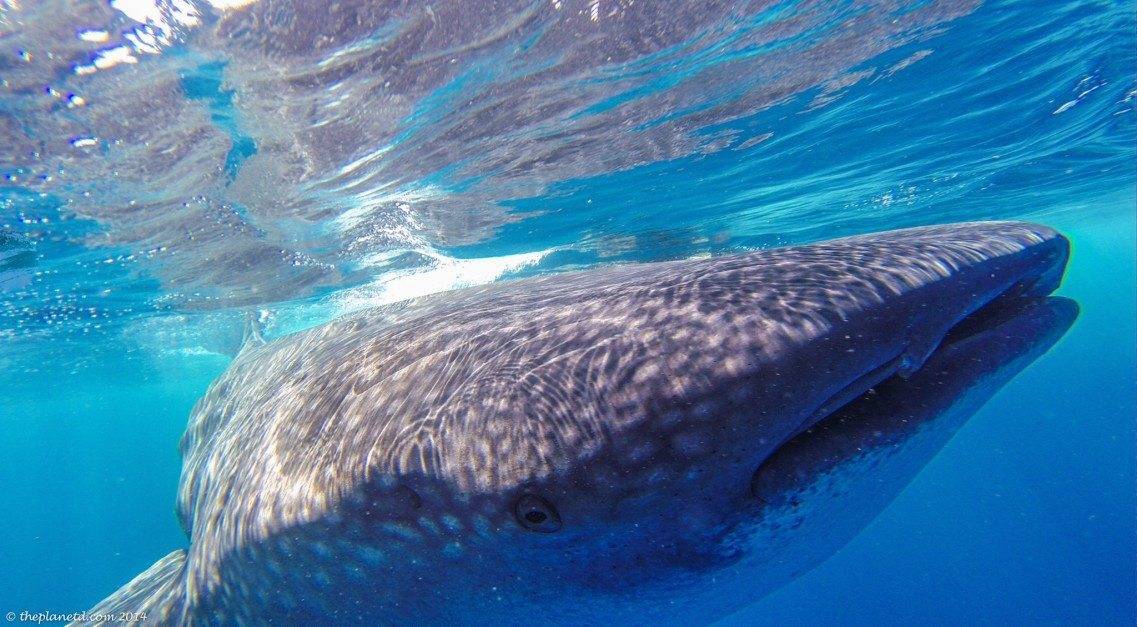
{"points": [[171, 167]]}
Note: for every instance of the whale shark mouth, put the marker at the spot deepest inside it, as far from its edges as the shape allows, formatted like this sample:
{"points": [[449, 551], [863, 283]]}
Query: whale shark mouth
{"points": [[988, 318], [978, 343], [935, 328], [989, 315]]}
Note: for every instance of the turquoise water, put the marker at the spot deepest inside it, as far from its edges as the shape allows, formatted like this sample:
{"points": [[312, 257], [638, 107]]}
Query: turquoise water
{"points": [[268, 160]]}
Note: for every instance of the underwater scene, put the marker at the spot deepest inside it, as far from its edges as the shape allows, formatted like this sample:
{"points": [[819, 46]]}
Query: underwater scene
{"points": [[570, 312]]}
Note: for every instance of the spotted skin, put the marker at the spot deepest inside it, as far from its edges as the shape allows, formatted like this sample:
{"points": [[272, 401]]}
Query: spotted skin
{"points": [[368, 470]]}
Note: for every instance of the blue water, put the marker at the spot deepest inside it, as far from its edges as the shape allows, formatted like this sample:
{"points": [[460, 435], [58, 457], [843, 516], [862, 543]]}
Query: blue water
{"points": [[147, 206]]}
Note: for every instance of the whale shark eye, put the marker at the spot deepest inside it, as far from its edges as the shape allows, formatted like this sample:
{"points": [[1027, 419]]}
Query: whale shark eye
{"points": [[536, 514]]}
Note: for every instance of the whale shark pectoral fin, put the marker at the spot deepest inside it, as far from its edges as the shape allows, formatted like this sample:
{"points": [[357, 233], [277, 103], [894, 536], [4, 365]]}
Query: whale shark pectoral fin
{"points": [[157, 594]]}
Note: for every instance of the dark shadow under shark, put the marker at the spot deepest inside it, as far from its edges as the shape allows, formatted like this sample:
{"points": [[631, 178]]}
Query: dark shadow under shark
{"points": [[667, 441]]}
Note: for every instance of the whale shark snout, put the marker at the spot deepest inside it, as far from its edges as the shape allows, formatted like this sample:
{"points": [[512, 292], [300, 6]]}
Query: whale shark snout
{"points": [[582, 445]]}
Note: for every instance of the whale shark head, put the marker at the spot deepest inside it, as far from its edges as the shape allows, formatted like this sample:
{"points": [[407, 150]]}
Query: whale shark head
{"points": [[576, 446]]}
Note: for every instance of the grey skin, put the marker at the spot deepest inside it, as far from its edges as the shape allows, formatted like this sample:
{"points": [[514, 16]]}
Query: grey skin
{"points": [[566, 449]]}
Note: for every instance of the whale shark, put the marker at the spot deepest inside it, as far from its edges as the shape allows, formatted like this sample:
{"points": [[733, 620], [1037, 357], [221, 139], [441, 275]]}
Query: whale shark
{"points": [[667, 441]]}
